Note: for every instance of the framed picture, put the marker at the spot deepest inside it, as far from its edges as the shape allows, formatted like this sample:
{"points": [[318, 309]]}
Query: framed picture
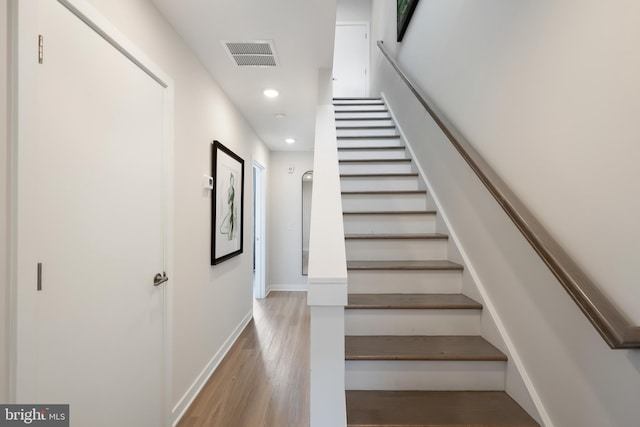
{"points": [[405, 12], [227, 209]]}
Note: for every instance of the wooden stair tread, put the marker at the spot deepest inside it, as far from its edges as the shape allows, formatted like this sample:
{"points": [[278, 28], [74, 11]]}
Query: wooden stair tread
{"points": [[362, 111], [356, 137], [386, 192], [374, 160], [341, 103], [364, 127], [435, 409], [406, 236], [356, 101], [372, 148], [404, 265], [412, 301], [401, 347], [361, 118], [390, 213], [378, 175]]}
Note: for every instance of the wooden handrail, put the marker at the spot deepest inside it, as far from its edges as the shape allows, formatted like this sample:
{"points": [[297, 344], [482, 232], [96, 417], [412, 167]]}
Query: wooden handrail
{"points": [[613, 326]]}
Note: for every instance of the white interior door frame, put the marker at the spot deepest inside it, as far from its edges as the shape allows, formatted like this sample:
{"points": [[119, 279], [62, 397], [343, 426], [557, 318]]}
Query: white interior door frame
{"points": [[23, 16], [259, 284]]}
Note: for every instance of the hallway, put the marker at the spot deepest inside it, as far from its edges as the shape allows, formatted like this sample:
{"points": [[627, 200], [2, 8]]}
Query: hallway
{"points": [[264, 379]]}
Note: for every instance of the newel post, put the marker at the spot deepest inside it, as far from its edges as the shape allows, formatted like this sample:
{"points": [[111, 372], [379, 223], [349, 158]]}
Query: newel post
{"points": [[327, 280]]}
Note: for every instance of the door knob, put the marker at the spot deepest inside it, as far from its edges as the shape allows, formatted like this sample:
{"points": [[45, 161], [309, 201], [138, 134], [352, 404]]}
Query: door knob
{"points": [[159, 279]]}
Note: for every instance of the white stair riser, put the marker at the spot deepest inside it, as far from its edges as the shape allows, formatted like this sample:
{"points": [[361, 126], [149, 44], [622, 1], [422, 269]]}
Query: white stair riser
{"points": [[370, 142], [367, 132], [395, 183], [384, 202], [368, 107], [404, 282], [392, 249], [375, 167], [424, 375], [367, 115], [364, 122], [389, 224], [372, 154], [411, 322], [357, 101]]}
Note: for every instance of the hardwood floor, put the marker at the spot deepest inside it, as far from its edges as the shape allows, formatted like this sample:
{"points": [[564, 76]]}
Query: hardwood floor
{"points": [[264, 379]]}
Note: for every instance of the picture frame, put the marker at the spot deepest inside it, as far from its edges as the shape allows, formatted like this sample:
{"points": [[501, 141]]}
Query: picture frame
{"points": [[227, 204], [405, 12]]}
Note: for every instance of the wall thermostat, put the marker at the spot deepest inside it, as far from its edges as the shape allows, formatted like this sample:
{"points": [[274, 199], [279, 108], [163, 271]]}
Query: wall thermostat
{"points": [[207, 182], [291, 169]]}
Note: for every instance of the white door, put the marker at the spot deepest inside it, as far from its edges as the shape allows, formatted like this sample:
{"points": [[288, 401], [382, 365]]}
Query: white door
{"points": [[351, 61], [259, 274], [91, 212]]}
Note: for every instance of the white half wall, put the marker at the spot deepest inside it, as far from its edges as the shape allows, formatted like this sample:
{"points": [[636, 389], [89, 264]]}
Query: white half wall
{"points": [[545, 91], [210, 302], [284, 248], [4, 204]]}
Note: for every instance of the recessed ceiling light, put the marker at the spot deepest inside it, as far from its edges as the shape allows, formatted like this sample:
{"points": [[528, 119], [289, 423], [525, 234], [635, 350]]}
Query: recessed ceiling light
{"points": [[289, 140], [280, 115], [270, 93]]}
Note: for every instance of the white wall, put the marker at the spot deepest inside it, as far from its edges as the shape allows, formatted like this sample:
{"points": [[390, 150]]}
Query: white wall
{"points": [[353, 10], [4, 205], [547, 92], [209, 302], [284, 250]]}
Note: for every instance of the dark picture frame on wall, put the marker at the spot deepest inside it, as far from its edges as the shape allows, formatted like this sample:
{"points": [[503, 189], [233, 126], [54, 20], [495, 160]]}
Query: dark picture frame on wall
{"points": [[405, 12], [227, 204]]}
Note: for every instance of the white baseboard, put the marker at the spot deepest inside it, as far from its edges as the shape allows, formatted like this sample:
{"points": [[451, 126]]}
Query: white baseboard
{"points": [[196, 387], [287, 288]]}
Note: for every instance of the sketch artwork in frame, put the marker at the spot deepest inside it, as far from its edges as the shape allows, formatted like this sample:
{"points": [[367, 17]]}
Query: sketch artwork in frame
{"points": [[227, 206], [405, 12]]}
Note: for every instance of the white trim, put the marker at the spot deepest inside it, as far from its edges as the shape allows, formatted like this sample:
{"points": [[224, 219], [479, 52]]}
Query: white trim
{"points": [[90, 16], [168, 253], [12, 122], [260, 277], [286, 288], [193, 391], [23, 20], [487, 303]]}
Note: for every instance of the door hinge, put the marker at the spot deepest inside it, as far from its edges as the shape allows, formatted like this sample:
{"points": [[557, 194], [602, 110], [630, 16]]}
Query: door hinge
{"points": [[39, 284], [40, 49]]}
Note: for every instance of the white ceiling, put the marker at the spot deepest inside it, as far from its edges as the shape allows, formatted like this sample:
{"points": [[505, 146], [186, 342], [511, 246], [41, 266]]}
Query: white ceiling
{"points": [[303, 34]]}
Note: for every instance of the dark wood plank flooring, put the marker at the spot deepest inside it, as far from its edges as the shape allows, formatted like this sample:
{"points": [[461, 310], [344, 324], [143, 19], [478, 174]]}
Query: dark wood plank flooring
{"points": [[264, 379]]}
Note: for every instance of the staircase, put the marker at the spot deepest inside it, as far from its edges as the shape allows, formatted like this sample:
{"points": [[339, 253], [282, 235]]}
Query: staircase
{"points": [[413, 350]]}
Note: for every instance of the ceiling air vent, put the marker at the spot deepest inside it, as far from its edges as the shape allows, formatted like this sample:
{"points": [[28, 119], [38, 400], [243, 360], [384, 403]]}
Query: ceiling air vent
{"points": [[254, 53]]}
